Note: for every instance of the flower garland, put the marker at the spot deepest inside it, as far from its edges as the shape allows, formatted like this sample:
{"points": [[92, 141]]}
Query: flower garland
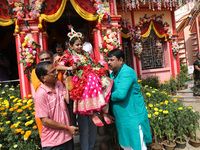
{"points": [[36, 8], [175, 48], [28, 53], [100, 9], [136, 40], [16, 9], [86, 65], [110, 41]]}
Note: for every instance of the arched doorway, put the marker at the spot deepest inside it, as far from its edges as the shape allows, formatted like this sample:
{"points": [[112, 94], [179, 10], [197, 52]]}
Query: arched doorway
{"points": [[8, 55], [57, 31]]}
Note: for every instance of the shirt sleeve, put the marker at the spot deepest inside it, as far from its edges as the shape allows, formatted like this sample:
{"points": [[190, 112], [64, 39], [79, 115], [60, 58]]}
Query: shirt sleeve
{"points": [[41, 108], [122, 86]]}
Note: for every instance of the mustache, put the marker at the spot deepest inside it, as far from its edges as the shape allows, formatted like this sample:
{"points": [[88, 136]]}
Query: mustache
{"points": [[109, 65]]}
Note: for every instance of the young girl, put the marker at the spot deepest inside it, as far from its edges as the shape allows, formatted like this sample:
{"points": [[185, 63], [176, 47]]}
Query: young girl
{"points": [[91, 87]]}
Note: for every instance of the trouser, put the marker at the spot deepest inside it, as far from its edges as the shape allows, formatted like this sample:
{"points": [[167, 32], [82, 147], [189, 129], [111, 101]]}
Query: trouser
{"points": [[65, 146], [88, 132]]}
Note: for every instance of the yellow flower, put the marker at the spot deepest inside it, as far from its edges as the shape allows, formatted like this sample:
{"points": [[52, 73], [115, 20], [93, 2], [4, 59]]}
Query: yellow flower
{"points": [[169, 95], [15, 146], [19, 104], [179, 96], [105, 50], [33, 108], [12, 97], [24, 101], [19, 101], [153, 91], [28, 117], [30, 108], [19, 110], [139, 81], [162, 92], [34, 127], [165, 93], [156, 114], [7, 106], [29, 95], [157, 104], [27, 134], [2, 129], [29, 101], [17, 131], [156, 89], [105, 38], [11, 109], [16, 107], [1, 122], [22, 132], [148, 94], [180, 108], [166, 102], [156, 109], [3, 114], [146, 86], [15, 99], [149, 115], [161, 103], [33, 113], [7, 122], [150, 87], [190, 107], [175, 100], [150, 105], [165, 112], [2, 108], [160, 110], [1, 145], [27, 124], [165, 80]]}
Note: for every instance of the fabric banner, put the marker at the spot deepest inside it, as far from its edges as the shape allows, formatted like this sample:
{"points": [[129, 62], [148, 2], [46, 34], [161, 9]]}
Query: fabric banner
{"points": [[4, 14]]}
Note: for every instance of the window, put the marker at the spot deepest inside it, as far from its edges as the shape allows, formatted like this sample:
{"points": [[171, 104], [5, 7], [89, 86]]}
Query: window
{"points": [[152, 55]]}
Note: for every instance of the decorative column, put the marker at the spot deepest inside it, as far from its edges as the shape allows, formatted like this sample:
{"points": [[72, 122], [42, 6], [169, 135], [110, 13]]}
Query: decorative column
{"points": [[44, 41], [96, 44], [171, 59], [174, 32], [26, 2], [111, 4], [36, 39]]}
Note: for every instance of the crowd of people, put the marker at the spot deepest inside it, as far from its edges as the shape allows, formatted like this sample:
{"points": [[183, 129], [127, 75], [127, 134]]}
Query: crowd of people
{"points": [[62, 111]]}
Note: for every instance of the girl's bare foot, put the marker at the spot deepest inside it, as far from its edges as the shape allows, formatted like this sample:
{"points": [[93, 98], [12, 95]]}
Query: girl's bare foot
{"points": [[96, 120]]}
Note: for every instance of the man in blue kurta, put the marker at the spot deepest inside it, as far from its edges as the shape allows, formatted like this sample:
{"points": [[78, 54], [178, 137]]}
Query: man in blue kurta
{"points": [[128, 105]]}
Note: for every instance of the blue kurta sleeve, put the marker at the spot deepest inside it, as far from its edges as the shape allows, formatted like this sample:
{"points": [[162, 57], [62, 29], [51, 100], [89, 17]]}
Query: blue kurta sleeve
{"points": [[122, 86]]}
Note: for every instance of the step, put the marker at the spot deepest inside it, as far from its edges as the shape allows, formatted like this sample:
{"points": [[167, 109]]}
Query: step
{"points": [[192, 99]]}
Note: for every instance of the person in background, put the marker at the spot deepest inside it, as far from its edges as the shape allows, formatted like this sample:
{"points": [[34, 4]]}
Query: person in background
{"points": [[196, 64], [128, 105], [86, 45], [43, 56], [59, 52], [50, 106]]}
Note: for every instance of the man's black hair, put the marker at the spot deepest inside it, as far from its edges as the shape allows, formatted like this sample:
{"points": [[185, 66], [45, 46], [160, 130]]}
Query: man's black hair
{"points": [[46, 52], [40, 69], [117, 53], [60, 45]]}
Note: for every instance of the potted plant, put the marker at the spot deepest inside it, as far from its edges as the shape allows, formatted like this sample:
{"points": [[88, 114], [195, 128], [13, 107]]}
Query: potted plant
{"points": [[181, 127], [193, 117]]}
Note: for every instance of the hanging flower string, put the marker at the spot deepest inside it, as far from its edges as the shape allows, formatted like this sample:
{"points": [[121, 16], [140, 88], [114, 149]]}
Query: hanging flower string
{"points": [[28, 53], [175, 48], [100, 9], [110, 41], [16, 9], [36, 8]]}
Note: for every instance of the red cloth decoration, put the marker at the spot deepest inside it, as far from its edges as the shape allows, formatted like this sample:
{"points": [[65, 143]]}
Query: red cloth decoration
{"points": [[4, 10], [86, 5]]}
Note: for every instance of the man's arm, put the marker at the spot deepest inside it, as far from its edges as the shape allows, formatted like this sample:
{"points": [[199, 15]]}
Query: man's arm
{"points": [[55, 125], [123, 86]]}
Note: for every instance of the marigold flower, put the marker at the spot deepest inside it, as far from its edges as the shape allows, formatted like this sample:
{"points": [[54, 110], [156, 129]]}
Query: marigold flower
{"points": [[179, 96], [2, 108], [165, 80], [148, 94], [34, 127], [146, 86], [33, 113], [29, 95], [150, 87], [150, 105], [27, 134], [17, 131], [162, 92], [7, 106], [180, 108], [25, 101], [190, 107], [19, 104], [153, 91], [156, 109], [157, 104], [26, 114], [7, 122], [156, 114], [169, 95], [28, 117], [3, 114], [29, 108], [15, 99], [16, 107], [165, 93], [149, 115], [175, 100], [2, 129], [29, 101], [160, 110], [11, 109], [165, 112], [12, 126], [166, 102], [19, 110], [22, 132], [12, 97]]}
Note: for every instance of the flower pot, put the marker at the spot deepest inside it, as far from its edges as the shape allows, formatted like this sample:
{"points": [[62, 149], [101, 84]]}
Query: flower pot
{"points": [[156, 146], [169, 147], [180, 144], [193, 142]]}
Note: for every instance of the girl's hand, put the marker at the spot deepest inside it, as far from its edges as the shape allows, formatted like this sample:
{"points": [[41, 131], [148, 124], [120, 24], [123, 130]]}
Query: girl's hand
{"points": [[74, 66]]}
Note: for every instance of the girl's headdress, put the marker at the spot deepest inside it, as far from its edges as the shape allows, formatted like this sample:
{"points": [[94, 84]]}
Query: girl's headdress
{"points": [[73, 33]]}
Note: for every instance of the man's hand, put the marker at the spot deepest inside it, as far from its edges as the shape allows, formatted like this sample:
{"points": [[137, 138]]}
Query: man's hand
{"points": [[74, 66], [72, 130]]}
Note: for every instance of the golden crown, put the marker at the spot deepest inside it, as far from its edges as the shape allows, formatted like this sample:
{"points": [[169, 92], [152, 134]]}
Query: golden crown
{"points": [[73, 33]]}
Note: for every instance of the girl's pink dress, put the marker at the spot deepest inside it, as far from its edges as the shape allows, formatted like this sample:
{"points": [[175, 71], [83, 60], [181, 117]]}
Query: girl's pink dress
{"points": [[95, 98]]}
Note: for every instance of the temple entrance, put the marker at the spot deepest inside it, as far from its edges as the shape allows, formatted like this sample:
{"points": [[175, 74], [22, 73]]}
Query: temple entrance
{"points": [[57, 31], [8, 57]]}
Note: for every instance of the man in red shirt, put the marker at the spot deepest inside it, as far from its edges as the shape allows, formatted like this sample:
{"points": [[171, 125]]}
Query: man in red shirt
{"points": [[50, 106]]}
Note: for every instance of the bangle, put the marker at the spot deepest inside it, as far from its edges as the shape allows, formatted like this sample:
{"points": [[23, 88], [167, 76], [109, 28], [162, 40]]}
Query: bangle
{"points": [[66, 128]]}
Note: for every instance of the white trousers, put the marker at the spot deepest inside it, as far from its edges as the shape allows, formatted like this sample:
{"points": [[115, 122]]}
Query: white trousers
{"points": [[143, 146]]}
